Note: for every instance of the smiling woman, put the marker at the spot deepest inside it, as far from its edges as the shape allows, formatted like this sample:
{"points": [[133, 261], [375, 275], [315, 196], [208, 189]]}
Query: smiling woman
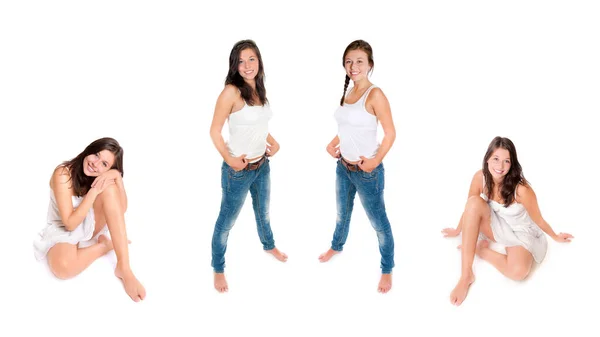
{"points": [[243, 103], [501, 207], [86, 196]]}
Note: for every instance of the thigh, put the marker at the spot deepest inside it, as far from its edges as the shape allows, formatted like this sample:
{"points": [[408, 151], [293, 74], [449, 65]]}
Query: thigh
{"points": [[61, 253], [518, 256]]}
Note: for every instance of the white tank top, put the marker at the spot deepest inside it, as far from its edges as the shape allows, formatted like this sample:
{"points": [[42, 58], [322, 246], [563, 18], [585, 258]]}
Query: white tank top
{"points": [[248, 131], [357, 129]]}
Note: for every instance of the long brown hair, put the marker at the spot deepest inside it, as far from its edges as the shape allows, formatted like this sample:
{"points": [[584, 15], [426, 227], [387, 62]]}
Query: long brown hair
{"points": [[79, 181], [234, 77], [512, 179], [361, 45]]}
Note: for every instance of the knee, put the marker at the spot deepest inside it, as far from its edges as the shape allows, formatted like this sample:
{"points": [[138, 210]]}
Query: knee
{"points": [[518, 272], [110, 192], [61, 268], [475, 204]]}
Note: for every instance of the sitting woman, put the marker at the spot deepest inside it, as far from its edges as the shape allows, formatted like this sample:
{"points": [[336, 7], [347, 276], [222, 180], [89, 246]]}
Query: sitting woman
{"points": [[87, 195], [501, 207]]}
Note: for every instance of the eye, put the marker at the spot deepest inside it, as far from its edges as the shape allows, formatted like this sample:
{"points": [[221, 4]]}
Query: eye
{"points": [[507, 161], [360, 61], [105, 164], [495, 159], [348, 61]]}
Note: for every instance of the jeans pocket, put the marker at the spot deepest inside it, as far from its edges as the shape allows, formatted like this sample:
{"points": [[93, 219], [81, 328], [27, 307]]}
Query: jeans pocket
{"points": [[237, 175]]}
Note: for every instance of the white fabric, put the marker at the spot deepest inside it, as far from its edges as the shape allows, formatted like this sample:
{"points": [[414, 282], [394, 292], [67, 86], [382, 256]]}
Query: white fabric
{"points": [[248, 131], [55, 231], [357, 129], [512, 226]]}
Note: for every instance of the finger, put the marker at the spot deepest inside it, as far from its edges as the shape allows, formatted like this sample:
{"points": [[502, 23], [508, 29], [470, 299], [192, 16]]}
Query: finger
{"points": [[363, 158]]}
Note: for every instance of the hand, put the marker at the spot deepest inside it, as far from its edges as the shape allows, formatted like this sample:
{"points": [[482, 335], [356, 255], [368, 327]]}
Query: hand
{"points": [[368, 165], [112, 174], [563, 237], [101, 185], [333, 151], [272, 149], [450, 232], [237, 163]]}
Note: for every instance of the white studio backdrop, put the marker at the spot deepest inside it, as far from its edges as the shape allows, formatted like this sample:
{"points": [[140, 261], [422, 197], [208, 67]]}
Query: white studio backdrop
{"points": [[148, 73]]}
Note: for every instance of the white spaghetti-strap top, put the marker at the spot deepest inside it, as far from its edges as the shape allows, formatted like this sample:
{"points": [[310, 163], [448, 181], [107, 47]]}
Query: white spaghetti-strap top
{"points": [[357, 129], [248, 131]]}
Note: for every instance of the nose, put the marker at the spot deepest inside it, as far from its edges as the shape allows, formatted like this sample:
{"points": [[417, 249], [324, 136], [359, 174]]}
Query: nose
{"points": [[246, 64]]}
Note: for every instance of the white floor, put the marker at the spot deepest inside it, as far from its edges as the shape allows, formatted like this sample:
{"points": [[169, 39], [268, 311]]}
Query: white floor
{"points": [[456, 75]]}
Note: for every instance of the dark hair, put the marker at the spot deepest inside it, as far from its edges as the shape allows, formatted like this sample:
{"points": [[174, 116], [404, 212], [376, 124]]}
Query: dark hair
{"points": [[80, 182], [234, 77], [354, 45], [512, 179]]}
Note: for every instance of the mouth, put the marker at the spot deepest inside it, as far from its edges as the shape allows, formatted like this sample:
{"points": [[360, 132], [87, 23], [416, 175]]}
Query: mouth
{"points": [[499, 171], [354, 73], [248, 72], [90, 168]]}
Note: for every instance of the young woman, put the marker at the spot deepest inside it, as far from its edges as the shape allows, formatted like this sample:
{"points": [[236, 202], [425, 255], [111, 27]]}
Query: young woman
{"points": [[501, 207], [243, 103], [360, 156], [87, 195]]}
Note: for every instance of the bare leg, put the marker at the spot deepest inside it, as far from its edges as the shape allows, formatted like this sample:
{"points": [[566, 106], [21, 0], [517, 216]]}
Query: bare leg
{"points": [[515, 265], [66, 260], [108, 206], [476, 217]]}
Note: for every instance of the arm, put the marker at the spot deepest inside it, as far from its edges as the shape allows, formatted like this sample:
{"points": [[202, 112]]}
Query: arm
{"points": [[475, 189], [61, 186], [223, 108], [333, 147], [381, 108], [272, 146], [527, 197]]}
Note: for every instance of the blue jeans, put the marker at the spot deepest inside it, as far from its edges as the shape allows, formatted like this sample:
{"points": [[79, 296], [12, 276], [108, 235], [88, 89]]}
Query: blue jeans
{"points": [[370, 190], [235, 187]]}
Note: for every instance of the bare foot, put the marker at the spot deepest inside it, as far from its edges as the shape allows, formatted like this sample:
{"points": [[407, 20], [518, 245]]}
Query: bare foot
{"points": [[133, 287], [278, 255], [458, 295], [481, 245], [385, 283], [221, 283], [104, 240], [328, 255]]}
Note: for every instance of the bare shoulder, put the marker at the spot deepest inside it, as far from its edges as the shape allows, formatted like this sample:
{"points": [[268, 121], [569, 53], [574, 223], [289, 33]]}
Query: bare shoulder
{"points": [[60, 177], [524, 191], [376, 94], [230, 93], [478, 176]]}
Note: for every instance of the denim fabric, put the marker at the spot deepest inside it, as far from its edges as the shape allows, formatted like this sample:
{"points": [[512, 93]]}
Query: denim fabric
{"points": [[235, 187], [369, 186]]}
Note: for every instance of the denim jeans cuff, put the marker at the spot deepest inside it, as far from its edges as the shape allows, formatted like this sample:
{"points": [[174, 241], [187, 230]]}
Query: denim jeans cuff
{"points": [[337, 248], [386, 271], [219, 270], [269, 246]]}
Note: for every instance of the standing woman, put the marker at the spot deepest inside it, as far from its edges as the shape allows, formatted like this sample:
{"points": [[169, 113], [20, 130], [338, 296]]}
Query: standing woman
{"points": [[243, 102], [360, 156], [87, 195]]}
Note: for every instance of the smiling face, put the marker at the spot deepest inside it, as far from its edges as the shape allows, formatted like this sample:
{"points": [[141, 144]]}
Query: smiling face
{"points": [[357, 65], [97, 163], [499, 163], [248, 66]]}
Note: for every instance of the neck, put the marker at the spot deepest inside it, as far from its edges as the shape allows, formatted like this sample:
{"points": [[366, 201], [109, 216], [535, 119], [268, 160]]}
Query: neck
{"points": [[362, 84]]}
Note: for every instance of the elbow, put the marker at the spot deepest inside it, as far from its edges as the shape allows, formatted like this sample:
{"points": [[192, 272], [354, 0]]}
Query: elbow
{"points": [[69, 226]]}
